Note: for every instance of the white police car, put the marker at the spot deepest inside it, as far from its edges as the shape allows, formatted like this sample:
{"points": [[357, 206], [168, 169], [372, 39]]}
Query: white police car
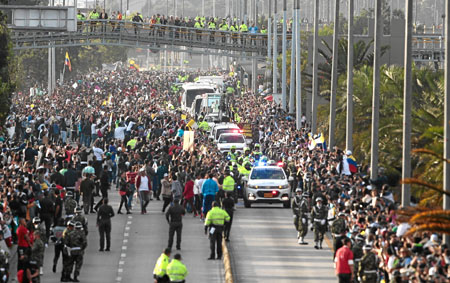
{"points": [[267, 184], [228, 141]]}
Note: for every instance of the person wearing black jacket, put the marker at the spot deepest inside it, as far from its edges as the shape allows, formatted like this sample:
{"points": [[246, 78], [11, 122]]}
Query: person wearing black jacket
{"points": [[46, 213], [228, 206], [104, 186], [104, 215], [174, 218]]}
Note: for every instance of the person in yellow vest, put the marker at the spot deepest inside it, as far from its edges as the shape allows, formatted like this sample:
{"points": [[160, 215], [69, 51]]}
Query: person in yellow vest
{"points": [[160, 270], [228, 183], [243, 29], [80, 18], [176, 270], [94, 15], [132, 143], [212, 27], [264, 32], [215, 221], [234, 29], [198, 25], [223, 27]]}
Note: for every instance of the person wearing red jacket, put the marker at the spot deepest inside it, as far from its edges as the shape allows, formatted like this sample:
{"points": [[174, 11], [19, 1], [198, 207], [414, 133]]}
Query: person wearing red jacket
{"points": [[188, 194]]}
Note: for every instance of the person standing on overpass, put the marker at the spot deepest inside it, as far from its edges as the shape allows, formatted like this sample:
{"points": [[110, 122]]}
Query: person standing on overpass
{"points": [[344, 262]]}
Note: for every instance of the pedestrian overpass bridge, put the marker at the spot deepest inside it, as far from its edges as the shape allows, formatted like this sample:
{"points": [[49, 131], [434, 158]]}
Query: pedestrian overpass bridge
{"points": [[144, 35]]}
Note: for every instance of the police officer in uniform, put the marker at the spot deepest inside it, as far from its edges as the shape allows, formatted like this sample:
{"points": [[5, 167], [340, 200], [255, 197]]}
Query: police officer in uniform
{"points": [[228, 184], [104, 214], [237, 179], [215, 220], [357, 249], [319, 215], [70, 204], [160, 270], [77, 243], [67, 259], [338, 229], [38, 249], [176, 270], [80, 218], [367, 272], [300, 209]]}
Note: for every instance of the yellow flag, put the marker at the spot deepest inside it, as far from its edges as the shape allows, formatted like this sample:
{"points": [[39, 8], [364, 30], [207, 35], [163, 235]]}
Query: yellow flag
{"points": [[183, 117], [190, 123]]}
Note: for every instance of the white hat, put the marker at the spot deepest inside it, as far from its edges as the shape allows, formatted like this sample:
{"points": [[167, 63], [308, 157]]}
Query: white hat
{"points": [[369, 187], [165, 174], [434, 238], [348, 152], [28, 130]]}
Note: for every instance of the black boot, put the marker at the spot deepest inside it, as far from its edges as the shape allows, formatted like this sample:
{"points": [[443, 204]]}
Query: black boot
{"points": [[75, 279]]}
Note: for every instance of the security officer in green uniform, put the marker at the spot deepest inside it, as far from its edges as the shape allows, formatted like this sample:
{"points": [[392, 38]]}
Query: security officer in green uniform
{"points": [[357, 249], [232, 154], [198, 25], [80, 17], [70, 204], [77, 243], [257, 150], [212, 27], [338, 229], [215, 221], [67, 258], [160, 270], [94, 15], [223, 27], [300, 208], [243, 29], [367, 272], [319, 215], [264, 32], [234, 29], [80, 218], [176, 270], [228, 183]]}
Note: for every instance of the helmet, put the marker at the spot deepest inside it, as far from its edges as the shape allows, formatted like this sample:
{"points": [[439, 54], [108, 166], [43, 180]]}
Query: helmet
{"points": [[305, 195], [298, 190], [341, 213], [78, 225], [71, 223], [233, 147], [271, 163], [69, 194], [247, 163], [36, 220], [319, 199], [78, 209], [264, 159], [257, 145]]}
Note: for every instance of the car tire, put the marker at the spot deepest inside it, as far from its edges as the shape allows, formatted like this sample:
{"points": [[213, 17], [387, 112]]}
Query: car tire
{"points": [[247, 204], [287, 204]]}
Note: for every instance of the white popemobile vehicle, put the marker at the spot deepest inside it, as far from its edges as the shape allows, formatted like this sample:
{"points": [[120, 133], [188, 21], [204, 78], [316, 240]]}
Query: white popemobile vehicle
{"points": [[267, 184], [228, 141]]}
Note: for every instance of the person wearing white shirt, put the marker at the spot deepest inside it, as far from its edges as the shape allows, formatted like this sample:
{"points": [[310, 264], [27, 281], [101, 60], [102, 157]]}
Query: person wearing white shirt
{"points": [[143, 186], [119, 133], [93, 132], [98, 153], [198, 192]]}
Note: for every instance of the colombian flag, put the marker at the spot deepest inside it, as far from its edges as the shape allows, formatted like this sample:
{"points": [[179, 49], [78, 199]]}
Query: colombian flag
{"points": [[353, 166], [67, 62]]}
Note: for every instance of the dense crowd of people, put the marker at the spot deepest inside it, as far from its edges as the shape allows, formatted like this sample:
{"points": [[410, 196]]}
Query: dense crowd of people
{"points": [[122, 131]]}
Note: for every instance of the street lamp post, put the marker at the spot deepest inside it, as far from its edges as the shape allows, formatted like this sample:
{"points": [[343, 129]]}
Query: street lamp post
{"points": [[349, 118], [407, 93], [283, 64], [275, 50], [334, 75], [376, 92], [298, 90], [315, 86], [447, 113]]}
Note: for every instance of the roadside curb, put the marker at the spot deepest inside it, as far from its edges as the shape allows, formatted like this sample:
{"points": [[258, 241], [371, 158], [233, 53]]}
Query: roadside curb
{"points": [[227, 263]]}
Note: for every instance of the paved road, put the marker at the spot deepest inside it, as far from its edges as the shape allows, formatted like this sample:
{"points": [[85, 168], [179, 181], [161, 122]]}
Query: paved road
{"points": [[264, 248], [137, 241]]}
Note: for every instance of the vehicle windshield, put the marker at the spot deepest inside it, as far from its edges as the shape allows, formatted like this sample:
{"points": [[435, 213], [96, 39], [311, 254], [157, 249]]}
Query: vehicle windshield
{"points": [[267, 173], [231, 139], [192, 93], [224, 131]]}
